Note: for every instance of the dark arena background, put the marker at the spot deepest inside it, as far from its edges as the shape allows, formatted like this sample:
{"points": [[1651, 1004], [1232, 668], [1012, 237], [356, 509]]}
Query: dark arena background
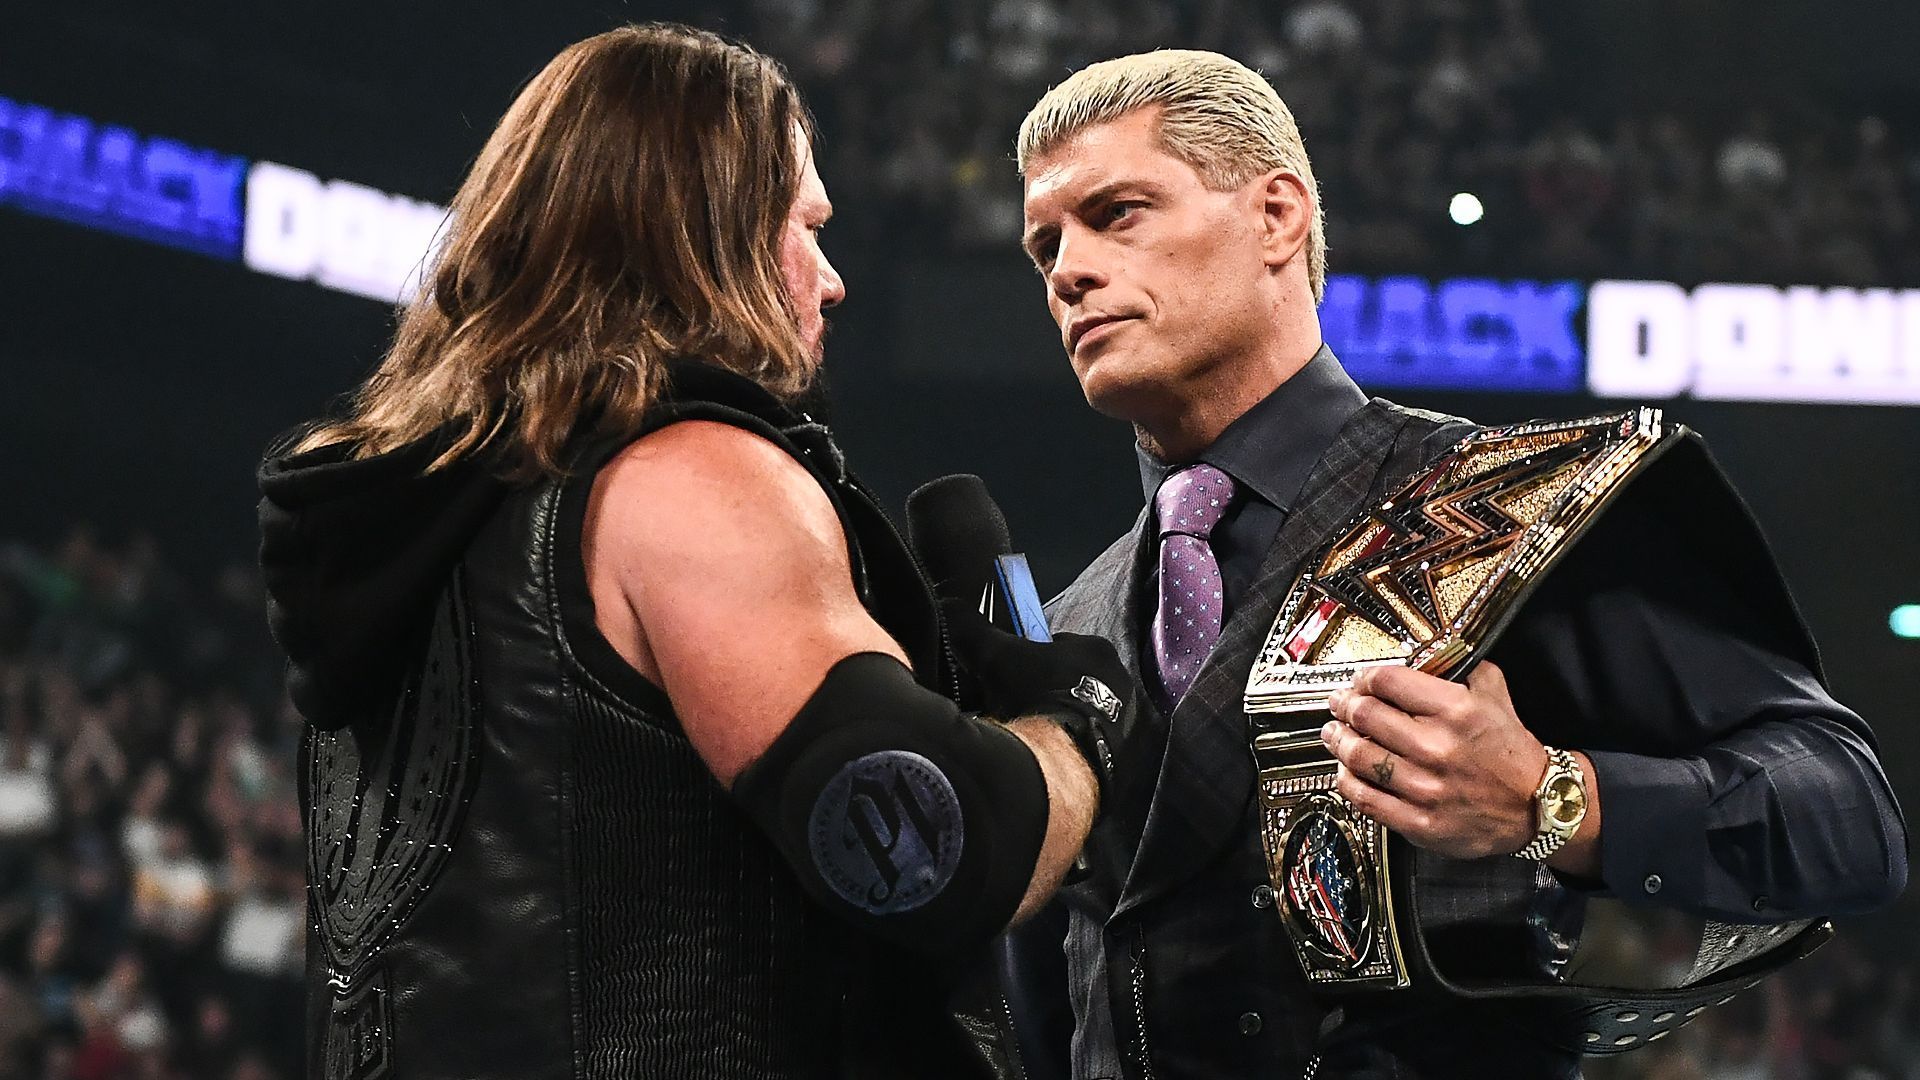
{"points": [[1534, 209]]}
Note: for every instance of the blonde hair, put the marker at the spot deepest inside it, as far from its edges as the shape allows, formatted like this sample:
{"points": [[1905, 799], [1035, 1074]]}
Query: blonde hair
{"points": [[627, 210], [1216, 114]]}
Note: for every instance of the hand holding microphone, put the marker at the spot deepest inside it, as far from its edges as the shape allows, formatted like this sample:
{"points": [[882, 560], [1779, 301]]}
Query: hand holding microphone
{"points": [[1075, 680]]}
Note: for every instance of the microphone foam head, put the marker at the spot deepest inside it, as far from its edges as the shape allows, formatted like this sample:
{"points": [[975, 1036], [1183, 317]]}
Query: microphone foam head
{"points": [[957, 528]]}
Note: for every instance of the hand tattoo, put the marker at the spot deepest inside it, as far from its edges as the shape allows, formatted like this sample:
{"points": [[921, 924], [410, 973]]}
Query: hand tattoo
{"points": [[1383, 770]]}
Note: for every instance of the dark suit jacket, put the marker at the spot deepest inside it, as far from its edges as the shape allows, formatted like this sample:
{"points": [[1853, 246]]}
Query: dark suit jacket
{"points": [[1176, 965]]}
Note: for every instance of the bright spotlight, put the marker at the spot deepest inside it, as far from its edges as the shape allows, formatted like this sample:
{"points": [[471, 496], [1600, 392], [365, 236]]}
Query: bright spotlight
{"points": [[1465, 209]]}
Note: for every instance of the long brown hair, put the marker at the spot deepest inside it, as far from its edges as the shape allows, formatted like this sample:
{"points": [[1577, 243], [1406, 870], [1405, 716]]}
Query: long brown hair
{"points": [[627, 209]]}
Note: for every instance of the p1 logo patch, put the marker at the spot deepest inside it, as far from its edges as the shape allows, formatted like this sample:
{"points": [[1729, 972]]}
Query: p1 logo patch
{"points": [[887, 832]]}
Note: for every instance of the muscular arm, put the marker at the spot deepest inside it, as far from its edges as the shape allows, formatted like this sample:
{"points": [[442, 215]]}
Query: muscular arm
{"points": [[719, 570], [1072, 798]]}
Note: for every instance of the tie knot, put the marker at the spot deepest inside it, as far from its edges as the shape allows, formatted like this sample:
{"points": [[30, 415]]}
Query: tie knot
{"points": [[1192, 501]]}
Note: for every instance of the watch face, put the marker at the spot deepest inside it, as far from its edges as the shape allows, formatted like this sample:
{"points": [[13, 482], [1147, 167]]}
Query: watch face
{"points": [[1564, 802]]}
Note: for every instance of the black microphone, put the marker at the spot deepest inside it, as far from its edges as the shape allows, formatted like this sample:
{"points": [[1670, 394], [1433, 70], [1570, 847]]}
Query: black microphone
{"points": [[957, 530], [962, 539]]}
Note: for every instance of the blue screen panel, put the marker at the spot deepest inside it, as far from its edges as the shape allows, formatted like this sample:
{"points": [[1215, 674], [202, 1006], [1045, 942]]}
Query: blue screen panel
{"points": [[111, 178], [1457, 334]]}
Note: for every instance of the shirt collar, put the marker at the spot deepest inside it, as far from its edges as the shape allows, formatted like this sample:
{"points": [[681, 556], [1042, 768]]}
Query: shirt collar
{"points": [[1270, 448]]}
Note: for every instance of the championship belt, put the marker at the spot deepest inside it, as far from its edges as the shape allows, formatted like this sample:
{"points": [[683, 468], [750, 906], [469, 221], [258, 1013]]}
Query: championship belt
{"points": [[1430, 579], [1426, 580]]}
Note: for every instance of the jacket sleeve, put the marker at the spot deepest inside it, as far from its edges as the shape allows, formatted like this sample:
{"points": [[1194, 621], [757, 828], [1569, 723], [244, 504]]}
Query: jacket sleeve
{"points": [[1731, 783]]}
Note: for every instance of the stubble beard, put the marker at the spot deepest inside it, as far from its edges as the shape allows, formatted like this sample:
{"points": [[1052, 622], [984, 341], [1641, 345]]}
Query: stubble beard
{"points": [[814, 398]]}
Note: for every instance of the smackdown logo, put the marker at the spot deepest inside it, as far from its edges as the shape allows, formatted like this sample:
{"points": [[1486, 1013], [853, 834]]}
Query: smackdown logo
{"points": [[1457, 334], [1642, 340], [275, 219], [115, 179], [338, 234], [1653, 339]]}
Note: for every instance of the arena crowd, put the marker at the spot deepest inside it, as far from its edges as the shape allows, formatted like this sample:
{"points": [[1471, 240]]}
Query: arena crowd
{"points": [[1403, 104]]}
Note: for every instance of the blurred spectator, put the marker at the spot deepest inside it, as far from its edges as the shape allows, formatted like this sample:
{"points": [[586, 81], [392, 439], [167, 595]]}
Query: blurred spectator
{"points": [[26, 764], [152, 900], [1323, 28], [1750, 160], [173, 894], [121, 1026], [265, 936], [1569, 184]]}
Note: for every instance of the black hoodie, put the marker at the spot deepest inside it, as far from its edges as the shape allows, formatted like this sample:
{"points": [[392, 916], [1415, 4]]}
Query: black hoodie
{"points": [[353, 553]]}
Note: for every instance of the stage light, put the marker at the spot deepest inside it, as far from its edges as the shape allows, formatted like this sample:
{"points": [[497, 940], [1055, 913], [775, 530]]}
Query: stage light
{"points": [[1465, 209], [1905, 621]]}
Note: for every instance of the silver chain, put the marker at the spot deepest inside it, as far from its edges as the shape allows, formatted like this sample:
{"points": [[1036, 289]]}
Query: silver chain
{"points": [[1140, 1009]]}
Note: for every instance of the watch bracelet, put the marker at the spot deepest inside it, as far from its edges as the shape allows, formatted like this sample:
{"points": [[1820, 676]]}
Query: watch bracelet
{"points": [[1546, 841]]}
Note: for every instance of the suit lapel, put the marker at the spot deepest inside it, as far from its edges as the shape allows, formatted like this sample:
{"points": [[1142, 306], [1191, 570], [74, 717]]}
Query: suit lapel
{"points": [[1206, 775], [1102, 600]]}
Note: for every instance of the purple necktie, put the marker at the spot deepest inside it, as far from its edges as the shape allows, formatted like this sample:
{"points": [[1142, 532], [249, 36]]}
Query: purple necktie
{"points": [[1187, 622]]}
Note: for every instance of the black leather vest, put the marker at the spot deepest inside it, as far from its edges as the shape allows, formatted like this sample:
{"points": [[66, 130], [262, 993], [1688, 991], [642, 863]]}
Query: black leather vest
{"points": [[525, 870]]}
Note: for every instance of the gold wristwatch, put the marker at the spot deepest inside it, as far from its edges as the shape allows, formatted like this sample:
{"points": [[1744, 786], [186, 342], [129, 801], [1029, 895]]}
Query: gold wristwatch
{"points": [[1560, 805]]}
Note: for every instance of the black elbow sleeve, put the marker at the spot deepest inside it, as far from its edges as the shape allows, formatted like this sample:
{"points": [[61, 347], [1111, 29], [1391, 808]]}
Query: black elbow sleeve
{"points": [[919, 823]]}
